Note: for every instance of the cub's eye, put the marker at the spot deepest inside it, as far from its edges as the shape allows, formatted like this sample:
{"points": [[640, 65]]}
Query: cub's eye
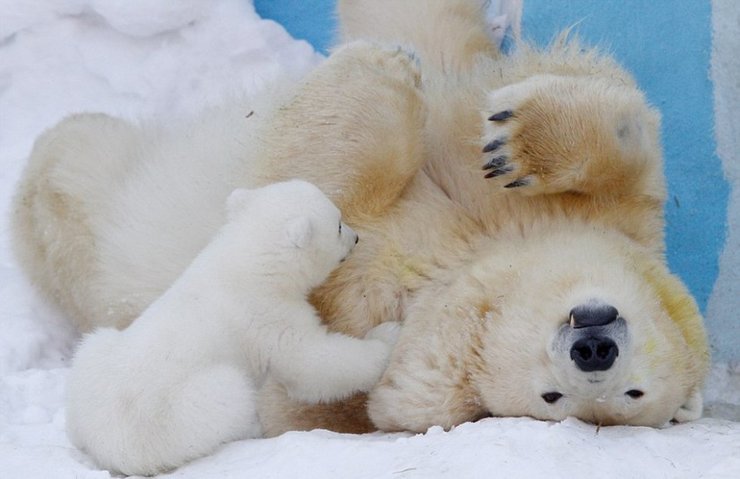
{"points": [[635, 393], [340, 227], [551, 398]]}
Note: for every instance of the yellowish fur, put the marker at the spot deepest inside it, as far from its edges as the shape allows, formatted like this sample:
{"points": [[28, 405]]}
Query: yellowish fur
{"points": [[682, 309]]}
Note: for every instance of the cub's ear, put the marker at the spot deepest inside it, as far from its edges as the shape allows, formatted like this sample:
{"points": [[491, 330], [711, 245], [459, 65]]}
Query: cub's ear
{"points": [[692, 408], [237, 201], [300, 232]]}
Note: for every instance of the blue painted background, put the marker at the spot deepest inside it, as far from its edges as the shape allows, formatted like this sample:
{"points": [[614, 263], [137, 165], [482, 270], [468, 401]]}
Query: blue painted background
{"points": [[311, 20], [666, 44]]}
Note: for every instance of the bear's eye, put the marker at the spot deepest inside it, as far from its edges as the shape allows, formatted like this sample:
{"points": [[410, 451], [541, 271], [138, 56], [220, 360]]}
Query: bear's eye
{"points": [[552, 397], [635, 393]]}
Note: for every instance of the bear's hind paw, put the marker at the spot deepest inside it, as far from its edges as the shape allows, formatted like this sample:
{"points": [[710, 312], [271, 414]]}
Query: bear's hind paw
{"points": [[392, 61]]}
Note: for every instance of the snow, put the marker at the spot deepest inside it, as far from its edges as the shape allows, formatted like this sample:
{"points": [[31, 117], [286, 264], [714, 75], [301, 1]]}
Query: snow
{"points": [[144, 58]]}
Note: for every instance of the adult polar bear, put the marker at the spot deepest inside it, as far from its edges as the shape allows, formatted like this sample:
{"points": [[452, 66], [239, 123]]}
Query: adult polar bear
{"points": [[536, 286]]}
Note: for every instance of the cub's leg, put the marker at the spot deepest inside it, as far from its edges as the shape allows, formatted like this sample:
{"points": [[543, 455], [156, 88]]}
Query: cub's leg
{"points": [[354, 129], [318, 366], [138, 410], [585, 135]]}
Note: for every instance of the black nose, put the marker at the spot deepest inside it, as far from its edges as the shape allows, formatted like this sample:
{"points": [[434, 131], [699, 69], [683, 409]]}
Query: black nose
{"points": [[357, 239], [594, 353], [593, 315]]}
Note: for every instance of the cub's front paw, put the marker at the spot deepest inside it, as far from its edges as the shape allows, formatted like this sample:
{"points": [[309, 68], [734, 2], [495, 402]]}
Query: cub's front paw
{"points": [[387, 332]]}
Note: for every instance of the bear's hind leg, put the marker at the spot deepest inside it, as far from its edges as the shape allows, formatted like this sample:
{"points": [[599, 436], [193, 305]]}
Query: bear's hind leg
{"points": [[354, 129], [67, 179], [448, 35]]}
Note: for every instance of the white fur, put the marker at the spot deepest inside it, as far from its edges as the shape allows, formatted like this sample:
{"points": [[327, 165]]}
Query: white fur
{"points": [[181, 380]]}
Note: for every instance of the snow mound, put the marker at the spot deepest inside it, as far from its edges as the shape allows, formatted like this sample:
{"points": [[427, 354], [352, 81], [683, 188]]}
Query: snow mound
{"points": [[141, 18], [145, 18]]}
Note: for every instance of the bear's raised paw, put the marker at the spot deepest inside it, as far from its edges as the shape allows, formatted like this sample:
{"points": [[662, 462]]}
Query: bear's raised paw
{"points": [[553, 134]]}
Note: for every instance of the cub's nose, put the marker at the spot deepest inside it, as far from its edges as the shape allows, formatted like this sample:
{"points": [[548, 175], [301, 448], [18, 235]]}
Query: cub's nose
{"points": [[594, 353], [357, 238], [593, 314]]}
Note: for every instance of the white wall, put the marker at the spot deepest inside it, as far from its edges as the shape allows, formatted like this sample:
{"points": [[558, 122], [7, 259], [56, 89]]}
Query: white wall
{"points": [[723, 310]]}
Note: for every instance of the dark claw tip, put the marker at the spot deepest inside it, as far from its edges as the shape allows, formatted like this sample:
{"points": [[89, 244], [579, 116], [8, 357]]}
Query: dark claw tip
{"points": [[517, 183], [496, 162], [494, 145], [501, 116], [499, 172]]}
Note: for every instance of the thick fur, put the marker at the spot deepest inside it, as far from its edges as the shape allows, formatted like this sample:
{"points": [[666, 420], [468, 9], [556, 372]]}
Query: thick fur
{"points": [[481, 254], [182, 379]]}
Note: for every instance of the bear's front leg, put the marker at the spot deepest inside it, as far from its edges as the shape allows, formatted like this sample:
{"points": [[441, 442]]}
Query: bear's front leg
{"points": [[354, 129], [585, 135], [421, 390], [429, 379]]}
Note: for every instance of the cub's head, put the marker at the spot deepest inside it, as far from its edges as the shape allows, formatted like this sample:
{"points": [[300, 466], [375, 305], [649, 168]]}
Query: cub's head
{"points": [[296, 229], [593, 327]]}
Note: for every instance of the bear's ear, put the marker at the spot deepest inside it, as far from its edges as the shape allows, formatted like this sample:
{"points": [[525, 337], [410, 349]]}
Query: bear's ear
{"points": [[300, 232], [236, 202], [692, 408]]}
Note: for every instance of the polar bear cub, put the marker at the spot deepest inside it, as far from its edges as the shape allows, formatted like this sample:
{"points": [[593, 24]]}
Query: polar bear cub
{"points": [[182, 379]]}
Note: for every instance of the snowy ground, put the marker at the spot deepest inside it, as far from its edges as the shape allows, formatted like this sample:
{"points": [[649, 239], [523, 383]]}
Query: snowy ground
{"points": [[158, 58]]}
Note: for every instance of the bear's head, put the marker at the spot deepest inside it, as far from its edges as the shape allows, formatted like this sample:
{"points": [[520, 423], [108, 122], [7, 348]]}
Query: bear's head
{"points": [[588, 325], [296, 230]]}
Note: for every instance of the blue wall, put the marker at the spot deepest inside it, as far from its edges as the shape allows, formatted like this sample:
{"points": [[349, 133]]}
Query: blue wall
{"points": [[666, 44], [311, 20]]}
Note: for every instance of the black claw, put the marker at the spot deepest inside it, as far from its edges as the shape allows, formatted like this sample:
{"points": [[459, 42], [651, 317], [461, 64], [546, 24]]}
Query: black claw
{"points": [[500, 171], [494, 145], [517, 183], [496, 162], [501, 116]]}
